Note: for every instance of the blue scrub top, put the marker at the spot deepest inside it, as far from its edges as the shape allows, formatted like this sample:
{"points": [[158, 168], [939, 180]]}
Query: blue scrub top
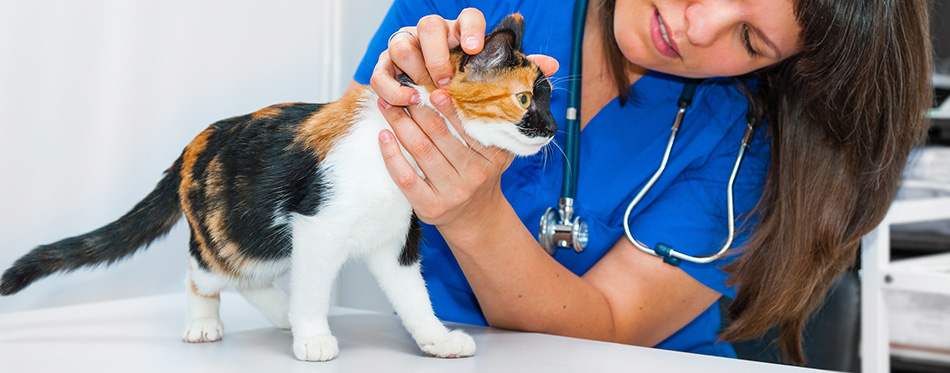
{"points": [[621, 147]]}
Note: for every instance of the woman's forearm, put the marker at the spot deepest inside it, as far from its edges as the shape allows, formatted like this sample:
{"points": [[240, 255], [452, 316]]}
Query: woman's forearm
{"points": [[519, 286]]}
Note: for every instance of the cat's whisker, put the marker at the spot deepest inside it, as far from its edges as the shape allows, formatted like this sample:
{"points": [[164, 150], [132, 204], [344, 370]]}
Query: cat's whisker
{"points": [[545, 151], [562, 79], [492, 158], [569, 169], [472, 152]]}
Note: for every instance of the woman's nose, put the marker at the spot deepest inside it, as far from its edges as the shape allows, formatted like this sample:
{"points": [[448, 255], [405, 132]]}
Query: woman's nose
{"points": [[707, 20]]}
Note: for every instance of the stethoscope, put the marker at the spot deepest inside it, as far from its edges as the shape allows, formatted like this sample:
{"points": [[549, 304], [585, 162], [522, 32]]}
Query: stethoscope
{"points": [[560, 229]]}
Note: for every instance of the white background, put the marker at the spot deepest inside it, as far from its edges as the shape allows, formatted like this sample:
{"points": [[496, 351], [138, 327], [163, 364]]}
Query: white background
{"points": [[98, 98]]}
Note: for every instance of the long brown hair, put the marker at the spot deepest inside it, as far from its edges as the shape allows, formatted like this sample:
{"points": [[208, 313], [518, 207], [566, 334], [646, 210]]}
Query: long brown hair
{"points": [[843, 115]]}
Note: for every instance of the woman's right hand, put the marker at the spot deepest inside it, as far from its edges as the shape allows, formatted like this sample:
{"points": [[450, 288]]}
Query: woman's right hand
{"points": [[423, 54]]}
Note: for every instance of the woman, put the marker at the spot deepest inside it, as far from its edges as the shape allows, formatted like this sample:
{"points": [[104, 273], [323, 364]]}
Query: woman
{"points": [[840, 88]]}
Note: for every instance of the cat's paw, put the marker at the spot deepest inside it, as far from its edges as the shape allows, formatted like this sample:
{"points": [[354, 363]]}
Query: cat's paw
{"points": [[201, 330], [451, 345], [316, 348]]}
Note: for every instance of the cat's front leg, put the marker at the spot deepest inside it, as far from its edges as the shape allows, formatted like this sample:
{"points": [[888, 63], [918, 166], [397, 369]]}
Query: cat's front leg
{"points": [[313, 271], [406, 290]]}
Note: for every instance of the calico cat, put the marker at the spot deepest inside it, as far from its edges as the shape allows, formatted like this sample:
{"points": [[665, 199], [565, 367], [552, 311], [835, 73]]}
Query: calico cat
{"points": [[302, 188]]}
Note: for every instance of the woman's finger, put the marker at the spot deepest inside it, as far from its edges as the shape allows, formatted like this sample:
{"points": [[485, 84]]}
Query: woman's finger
{"points": [[471, 30], [452, 147], [434, 34], [416, 141], [445, 174], [406, 53], [385, 85], [470, 154], [409, 182], [548, 64]]}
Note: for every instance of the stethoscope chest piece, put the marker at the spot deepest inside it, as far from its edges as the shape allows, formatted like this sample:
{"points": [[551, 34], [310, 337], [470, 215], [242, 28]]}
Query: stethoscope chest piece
{"points": [[559, 231]]}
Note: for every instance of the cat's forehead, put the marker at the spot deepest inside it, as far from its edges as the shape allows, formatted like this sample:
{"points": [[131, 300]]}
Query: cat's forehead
{"points": [[528, 76], [517, 74]]}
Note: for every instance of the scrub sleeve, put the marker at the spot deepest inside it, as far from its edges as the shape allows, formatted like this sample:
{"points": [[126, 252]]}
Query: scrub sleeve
{"points": [[620, 149]]}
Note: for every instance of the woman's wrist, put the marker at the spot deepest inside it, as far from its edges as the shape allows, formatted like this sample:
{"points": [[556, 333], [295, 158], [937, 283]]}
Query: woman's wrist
{"points": [[481, 223]]}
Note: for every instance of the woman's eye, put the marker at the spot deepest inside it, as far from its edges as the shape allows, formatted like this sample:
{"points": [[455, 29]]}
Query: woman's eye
{"points": [[524, 99], [747, 40]]}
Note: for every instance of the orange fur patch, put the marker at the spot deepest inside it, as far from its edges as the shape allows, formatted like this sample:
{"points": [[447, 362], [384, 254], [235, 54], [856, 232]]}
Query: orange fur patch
{"points": [[226, 250], [189, 158], [321, 131], [271, 111], [492, 100], [194, 290]]}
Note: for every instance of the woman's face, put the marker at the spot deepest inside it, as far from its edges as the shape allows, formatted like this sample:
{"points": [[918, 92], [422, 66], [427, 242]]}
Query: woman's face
{"points": [[706, 38]]}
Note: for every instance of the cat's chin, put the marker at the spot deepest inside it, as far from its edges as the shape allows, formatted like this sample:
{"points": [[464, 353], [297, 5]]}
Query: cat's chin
{"points": [[507, 137]]}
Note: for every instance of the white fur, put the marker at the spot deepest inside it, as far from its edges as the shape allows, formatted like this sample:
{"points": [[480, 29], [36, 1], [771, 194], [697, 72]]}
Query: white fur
{"points": [[202, 323], [270, 301], [367, 217], [505, 136]]}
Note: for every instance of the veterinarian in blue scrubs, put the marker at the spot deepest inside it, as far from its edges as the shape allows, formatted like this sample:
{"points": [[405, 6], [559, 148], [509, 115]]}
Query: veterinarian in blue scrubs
{"points": [[610, 291]]}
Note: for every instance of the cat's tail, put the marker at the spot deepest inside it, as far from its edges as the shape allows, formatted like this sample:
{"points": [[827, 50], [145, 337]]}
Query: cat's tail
{"points": [[150, 219]]}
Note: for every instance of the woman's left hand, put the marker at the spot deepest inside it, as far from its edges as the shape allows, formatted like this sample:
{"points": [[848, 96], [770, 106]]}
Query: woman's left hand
{"points": [[461, 186]]}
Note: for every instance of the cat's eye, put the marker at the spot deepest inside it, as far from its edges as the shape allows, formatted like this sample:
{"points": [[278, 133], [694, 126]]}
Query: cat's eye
{"points": [[524, 99]]}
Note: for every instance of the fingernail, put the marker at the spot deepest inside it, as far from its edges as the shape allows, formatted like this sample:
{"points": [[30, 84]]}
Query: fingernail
{"points": [[440, 99], [444, 82], [414, 99], [385, 137], [471, 42], [384, 103]]}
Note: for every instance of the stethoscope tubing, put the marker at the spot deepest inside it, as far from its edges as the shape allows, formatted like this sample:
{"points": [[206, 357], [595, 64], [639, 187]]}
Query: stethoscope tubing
{"points": [[572, 125], [560, 228], [729, 199]]}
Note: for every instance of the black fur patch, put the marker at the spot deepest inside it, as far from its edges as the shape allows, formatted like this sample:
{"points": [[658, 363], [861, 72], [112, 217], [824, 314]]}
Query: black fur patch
{"points": [[538, 122], [265, 175], [404, 80], [410, 253]]}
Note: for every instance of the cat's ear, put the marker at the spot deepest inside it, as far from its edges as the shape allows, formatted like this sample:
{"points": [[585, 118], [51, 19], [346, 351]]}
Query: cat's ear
{"points": [[500, 46], [513, 24]]}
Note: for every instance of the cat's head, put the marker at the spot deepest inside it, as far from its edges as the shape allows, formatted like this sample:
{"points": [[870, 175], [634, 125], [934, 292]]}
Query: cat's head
{"points": [[502, 98]]}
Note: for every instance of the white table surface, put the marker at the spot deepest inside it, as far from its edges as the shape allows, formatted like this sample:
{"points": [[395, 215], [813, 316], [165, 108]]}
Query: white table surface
{"points": [[144, 335]]}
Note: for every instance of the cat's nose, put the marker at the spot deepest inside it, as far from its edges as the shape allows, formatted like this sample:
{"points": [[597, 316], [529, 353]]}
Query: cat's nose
{"points": [[550, 128]]}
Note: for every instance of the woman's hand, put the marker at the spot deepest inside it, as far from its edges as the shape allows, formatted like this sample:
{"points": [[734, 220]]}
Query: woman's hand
{"points": [[461, 181], [423, 54]]}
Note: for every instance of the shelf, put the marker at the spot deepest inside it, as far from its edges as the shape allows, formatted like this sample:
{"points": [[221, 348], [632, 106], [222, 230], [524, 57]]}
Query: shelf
{"points": [[928, 274], [879, 276]]}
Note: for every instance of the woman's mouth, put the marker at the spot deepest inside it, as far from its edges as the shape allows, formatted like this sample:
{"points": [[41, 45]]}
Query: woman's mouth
{"points": [[661, 37]]}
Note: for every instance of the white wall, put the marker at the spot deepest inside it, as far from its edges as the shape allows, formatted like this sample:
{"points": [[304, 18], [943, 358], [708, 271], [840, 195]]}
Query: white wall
{"points": [[98, 97]]}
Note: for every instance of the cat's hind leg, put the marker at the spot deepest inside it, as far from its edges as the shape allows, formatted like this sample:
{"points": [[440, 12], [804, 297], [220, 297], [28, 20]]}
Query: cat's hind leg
{"points": [[202, 322], [270, 301], [398, 273]]}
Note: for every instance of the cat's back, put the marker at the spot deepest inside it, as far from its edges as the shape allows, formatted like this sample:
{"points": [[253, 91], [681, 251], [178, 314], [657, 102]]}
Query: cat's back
{"points": [[242, 178]]}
